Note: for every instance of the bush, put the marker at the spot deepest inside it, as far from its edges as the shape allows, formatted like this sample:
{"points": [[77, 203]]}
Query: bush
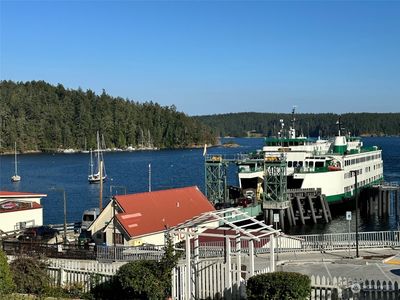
{"points": [[141, 280], [30, 276], [6, 281], [279, 286]]}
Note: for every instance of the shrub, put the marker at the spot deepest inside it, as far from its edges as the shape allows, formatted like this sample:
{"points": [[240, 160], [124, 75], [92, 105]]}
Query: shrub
{"points": [[279, 286], [6, 281], [141, 280], [30, 275]]}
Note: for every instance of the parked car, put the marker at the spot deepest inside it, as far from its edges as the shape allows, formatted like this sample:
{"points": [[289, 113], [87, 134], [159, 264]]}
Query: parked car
{"points": [[40, 233]]}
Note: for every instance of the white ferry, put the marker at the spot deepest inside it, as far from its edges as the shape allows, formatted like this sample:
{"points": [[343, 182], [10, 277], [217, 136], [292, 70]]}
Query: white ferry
{"points": [[326, 164], [334, 172], [295, 148]]}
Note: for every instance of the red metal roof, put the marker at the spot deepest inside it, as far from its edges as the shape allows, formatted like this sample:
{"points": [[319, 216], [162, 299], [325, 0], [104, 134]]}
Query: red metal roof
{"points": [[150, 212], [20, 194]]}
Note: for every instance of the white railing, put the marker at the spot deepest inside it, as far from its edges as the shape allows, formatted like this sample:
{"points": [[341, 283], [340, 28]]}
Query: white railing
{"points": [[310, 243], [342, 241], [129, 253]]}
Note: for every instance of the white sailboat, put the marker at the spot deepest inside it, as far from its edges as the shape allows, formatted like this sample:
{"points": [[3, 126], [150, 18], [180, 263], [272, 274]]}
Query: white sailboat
{"points": [[97, 167], [16, 177]]}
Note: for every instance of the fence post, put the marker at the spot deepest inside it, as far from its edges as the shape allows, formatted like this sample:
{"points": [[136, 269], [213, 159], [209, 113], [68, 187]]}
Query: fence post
{"points": [[251, 252], [62, 277], [272, 253]]}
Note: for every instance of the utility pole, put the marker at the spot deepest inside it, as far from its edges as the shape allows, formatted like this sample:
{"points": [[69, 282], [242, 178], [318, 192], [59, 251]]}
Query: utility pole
{"points": [[149, 177], [356, 199]]}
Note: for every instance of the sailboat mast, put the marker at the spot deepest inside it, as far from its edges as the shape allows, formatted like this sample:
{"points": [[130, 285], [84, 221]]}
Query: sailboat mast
{"points": [[91, 162], [98, 152], [16, 167]]}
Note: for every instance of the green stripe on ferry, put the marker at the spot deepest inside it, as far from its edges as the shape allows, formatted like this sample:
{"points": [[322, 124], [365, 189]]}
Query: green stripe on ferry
{"points": [[340, 197]]}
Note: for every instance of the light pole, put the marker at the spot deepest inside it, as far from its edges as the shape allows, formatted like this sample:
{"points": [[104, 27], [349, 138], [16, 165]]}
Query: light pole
{"points": [[356, 198], [65, 211]]}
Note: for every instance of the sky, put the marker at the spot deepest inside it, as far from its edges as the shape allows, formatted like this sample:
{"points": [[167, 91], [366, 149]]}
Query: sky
{"points": [[212, 57]]}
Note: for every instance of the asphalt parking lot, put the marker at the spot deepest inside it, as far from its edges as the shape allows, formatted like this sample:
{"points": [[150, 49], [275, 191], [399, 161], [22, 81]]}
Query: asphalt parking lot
{"points": [[372, 264]]}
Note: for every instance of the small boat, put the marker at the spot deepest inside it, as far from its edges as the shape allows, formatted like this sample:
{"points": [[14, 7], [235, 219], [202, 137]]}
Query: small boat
{"points": [[97, 165], [16, 177]]}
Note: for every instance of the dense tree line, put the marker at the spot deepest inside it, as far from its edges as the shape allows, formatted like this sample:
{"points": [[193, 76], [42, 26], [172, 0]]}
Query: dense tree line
{"points": [[40, 116], [268, 124]]}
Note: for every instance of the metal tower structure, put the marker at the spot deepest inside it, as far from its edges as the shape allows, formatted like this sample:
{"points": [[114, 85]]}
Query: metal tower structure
{"points": [[215, 173], [275, 182]]}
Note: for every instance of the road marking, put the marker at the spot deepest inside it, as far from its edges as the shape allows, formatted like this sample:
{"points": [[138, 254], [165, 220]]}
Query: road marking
{"points": [[379, 267], [329, 273]]}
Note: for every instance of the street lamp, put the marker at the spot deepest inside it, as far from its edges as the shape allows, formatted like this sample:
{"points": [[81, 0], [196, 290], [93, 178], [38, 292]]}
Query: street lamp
{"points": [[356, 198], [65, 211]]}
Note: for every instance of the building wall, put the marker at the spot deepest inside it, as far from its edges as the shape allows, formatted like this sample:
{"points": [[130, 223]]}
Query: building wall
{"points": [[100, 223], [10, 220]]}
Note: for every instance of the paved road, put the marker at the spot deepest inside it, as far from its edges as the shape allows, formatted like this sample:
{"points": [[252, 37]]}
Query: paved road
{"points": [[370, 265]]}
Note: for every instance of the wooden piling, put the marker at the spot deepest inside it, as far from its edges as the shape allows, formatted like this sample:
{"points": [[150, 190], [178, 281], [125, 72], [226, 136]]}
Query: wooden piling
{"points": [[282, 219], [288, 216], [292, 214], [321, 200], [300, 209], [310, 203]]}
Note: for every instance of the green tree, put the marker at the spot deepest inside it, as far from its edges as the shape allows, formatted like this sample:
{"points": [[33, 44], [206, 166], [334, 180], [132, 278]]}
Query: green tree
{"points": [[6, 282]]}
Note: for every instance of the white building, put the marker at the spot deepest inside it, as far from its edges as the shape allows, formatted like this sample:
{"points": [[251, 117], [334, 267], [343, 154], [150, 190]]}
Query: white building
{"points": [[19, 210]]}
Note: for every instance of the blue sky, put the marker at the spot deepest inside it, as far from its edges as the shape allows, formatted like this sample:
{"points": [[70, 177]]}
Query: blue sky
{"points": [[209, 57]]}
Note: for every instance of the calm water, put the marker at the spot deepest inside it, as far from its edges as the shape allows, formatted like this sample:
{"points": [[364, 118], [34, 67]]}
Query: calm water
{"points": [[169, 168]]}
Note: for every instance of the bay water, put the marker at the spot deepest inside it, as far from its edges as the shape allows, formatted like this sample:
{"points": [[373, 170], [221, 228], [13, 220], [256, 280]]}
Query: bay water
{"points": [[129, 172]]}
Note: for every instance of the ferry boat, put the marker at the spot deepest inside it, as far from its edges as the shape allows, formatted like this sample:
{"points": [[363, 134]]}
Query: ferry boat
{"points": [[334, 172], [294, 147], [330, 165]]}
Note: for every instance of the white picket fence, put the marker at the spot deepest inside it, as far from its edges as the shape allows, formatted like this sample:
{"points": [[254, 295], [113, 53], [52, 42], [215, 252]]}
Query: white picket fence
{"points": [[332, 288], [80, 274], [210, 279]]}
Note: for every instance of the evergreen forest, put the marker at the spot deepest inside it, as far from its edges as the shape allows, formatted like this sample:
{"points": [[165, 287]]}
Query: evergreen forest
{"points": [[43, 117], [313, 125]]}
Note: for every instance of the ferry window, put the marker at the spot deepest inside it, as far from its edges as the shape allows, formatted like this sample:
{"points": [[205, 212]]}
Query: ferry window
{"points": [[311, 164], [290, 164], [300, 163], [319, 164], [294, 164], [306, 163], [352, 161]]}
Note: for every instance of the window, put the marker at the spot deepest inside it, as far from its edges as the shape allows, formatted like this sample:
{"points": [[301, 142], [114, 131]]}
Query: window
{"points": [[311, 164], [118, 238], [290, 164], [319, 164]]}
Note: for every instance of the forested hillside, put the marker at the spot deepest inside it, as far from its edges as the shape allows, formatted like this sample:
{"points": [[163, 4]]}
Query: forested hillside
{"points": [[240, 124], [43, 117]]}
